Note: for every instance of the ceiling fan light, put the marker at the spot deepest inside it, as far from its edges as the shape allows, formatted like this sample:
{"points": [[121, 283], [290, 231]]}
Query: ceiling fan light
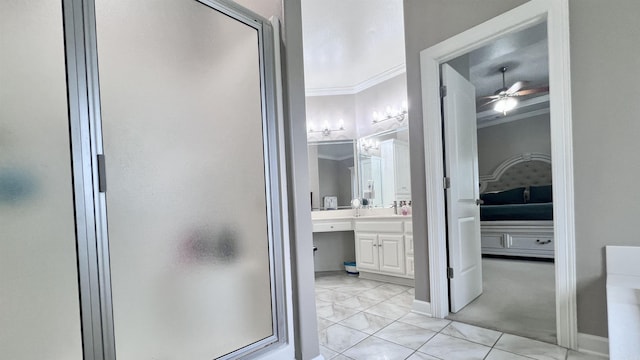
{"points": [[505, 104]]}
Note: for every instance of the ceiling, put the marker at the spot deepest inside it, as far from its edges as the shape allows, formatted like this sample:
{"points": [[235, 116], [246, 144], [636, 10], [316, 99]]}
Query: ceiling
{"points": [[347, 42], [350, 42], [525, 53]]}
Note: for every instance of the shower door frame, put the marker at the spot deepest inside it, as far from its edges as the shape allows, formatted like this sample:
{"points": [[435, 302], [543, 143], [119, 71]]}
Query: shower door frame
{"points": [[90, 201]]}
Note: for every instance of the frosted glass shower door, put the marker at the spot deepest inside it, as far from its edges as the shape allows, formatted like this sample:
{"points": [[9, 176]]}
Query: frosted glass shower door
{"points": [[39, 295], [187, 200]]}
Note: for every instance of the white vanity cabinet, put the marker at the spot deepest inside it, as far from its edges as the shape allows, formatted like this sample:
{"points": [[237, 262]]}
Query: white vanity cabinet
{"points": [[380, 247], [396, 175]]}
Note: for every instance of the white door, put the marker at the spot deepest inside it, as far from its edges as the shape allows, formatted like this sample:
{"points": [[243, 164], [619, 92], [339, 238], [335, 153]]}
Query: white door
{"points": [[367, 252], [463, 212], [391, 248]]}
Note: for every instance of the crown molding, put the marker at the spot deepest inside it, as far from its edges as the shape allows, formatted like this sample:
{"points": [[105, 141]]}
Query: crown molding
{"points": [[510, 118], [351, 90]]}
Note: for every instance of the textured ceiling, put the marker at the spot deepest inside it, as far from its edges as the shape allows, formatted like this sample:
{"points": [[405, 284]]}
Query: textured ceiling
{"points": [[526, 55], [347, 42], [524, 52]]}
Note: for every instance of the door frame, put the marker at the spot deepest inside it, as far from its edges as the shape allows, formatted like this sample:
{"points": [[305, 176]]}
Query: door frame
{"points": [[556, 12]]}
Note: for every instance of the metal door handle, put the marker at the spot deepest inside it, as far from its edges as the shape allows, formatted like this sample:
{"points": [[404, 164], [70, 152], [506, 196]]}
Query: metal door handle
{"points": [[479, 202], [543, 242]]}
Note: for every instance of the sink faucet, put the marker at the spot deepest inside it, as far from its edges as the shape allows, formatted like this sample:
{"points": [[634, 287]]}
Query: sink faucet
{"points": [[395, 207]]}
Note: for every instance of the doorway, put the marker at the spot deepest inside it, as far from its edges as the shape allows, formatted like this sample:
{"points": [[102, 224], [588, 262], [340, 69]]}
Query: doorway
{"points": [[501, 157], [532, 13]]}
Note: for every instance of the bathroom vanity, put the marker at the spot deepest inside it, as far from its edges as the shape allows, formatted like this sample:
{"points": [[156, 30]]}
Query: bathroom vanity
{"points": [[383, 241]]}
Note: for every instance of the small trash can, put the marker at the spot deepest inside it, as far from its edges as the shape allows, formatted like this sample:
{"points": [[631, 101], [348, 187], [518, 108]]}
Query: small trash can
{"points": [[350, 267]]}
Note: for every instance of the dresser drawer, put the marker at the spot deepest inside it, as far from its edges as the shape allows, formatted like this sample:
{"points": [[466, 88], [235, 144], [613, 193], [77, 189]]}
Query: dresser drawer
{"points": [[531, 242], [492, 241], [332, 226]]}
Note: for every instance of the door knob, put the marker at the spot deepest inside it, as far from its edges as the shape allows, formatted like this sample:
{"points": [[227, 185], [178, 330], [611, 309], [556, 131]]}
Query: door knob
{"points": [[479, 202]]}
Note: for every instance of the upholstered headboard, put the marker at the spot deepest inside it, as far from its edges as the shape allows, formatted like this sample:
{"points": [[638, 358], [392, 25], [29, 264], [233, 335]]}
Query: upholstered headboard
{"points": [[522, 170]]}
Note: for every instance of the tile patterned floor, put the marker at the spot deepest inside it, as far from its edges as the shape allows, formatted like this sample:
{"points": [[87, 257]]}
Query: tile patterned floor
{"points": [[371, 320]]}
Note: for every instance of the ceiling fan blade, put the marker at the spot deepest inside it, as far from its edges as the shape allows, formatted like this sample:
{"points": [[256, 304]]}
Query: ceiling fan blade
{"points": [[488, 97], [532, 91], [515, 87]]}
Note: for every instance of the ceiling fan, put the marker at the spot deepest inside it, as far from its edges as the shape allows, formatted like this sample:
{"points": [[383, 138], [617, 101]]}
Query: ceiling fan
{"points": [[505, 98]]}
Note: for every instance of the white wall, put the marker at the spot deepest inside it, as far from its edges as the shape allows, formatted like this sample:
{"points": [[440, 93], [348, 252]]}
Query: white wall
{"points": [[500, 142], [357, 109], [331, 109]]}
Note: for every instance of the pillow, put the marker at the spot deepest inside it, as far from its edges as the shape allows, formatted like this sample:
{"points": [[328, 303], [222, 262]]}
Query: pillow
{"points": [[540, 194], [513, 196]]}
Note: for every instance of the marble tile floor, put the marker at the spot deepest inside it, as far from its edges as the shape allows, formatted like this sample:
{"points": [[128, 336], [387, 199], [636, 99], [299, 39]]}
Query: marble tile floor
{"points": [[371, 320]]}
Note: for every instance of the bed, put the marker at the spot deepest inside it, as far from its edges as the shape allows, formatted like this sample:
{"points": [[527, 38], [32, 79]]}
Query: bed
{"points": [[517, 208]]}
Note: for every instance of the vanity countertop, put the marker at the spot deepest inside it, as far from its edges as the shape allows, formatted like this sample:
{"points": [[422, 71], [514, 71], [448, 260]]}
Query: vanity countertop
{"points": [[357, 215]]}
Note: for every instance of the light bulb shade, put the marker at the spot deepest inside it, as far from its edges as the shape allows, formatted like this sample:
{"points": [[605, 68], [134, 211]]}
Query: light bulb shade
{"points": [[505, 104]]}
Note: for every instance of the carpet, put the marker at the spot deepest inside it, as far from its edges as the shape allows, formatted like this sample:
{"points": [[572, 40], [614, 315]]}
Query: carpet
{"points": [[518, 298]]}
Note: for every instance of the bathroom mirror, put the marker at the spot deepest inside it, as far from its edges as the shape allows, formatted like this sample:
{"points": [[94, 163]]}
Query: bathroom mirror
{"points": [[383, 161], [333, 178]]}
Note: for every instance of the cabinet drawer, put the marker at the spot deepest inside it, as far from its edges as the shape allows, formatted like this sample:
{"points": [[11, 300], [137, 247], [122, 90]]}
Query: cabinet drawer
{"points": [[379, 226], [492, 241], [531, 242], [332, 226]]}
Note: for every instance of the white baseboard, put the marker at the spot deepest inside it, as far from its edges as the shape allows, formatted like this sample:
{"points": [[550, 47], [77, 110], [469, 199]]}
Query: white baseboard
{"points": [[421, 307], [387, 278], [319, 357], [593, 345]]}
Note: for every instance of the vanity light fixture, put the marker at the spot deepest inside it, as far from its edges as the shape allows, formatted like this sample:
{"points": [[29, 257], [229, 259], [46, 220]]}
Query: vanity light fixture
{"points": [[370, 145], [326, 131], [391, 114]]}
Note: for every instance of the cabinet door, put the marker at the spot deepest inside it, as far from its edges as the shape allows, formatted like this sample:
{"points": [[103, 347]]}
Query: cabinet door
{"points": [[392, 256], [367, 252]]}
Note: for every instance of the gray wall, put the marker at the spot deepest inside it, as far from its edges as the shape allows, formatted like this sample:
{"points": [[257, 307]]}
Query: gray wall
{"points": [[499, 142], [334, 248], [264, 8], [335, 180], [604, 47], [427, 23]]}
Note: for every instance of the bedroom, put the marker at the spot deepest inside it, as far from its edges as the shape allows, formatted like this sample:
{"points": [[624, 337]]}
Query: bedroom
{"points": [[514, 175]]}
